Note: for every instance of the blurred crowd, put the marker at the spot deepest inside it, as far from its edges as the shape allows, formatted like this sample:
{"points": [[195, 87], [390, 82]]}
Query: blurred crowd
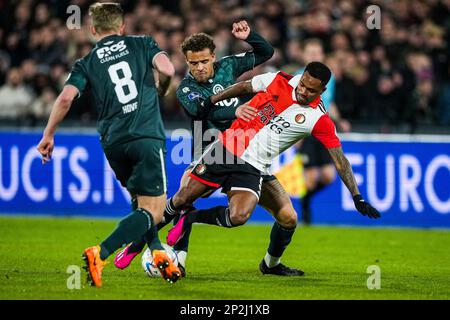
{"points": [[397, 76]]}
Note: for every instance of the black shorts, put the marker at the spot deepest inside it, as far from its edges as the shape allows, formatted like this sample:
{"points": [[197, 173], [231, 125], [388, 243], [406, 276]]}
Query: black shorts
{"points": [[268, 177], [140, 166], [313, 153], [232, 174], [265, 178]]}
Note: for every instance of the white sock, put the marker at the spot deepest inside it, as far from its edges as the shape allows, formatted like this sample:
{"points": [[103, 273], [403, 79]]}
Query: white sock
{"points": [[271, 261], [182, 255]]}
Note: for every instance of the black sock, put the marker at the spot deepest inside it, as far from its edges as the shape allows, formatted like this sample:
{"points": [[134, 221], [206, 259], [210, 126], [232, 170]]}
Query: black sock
{"points": [[279, 239], [129, 229], [169, 211], [170, 208], [218, 216]]}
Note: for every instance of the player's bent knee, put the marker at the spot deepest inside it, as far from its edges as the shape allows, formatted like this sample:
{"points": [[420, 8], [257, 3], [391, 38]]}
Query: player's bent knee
{"points": [[239, 217], [291, 222], [181, 199], [156, 214], [287, 218], [154, 205]]}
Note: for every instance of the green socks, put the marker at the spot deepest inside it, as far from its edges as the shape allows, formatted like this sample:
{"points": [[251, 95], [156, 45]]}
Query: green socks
{"points": [[129, 229]]}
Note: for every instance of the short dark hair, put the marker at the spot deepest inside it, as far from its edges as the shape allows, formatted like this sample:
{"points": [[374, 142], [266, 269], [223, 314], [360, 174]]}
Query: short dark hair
{"points": [[319, 71], [198, 42]]}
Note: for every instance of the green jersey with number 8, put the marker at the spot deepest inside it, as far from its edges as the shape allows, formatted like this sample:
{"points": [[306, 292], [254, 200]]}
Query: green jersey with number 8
{"points": [[119, 70]]}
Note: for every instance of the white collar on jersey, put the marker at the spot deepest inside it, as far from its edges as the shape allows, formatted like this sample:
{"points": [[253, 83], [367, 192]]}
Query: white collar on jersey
{"points": [[294, 83]]}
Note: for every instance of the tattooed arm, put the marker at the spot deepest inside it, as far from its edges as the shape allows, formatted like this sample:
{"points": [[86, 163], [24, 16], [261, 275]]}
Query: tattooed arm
{"points": [[344, 169], [256, 84], [236, 90], [346, 173], [245, 111], [325, 131]]}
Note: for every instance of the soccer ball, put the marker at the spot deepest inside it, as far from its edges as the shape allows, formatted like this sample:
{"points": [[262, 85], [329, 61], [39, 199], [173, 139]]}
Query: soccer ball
{"points": [[147, 261]]}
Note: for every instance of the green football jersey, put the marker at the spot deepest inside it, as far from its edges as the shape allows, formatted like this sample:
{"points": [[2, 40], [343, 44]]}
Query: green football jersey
{"points": [[119, 70], [190, 92]]}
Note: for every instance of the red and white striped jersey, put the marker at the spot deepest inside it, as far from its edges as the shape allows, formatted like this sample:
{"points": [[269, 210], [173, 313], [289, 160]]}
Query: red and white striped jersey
{"points": [[281, 122]]}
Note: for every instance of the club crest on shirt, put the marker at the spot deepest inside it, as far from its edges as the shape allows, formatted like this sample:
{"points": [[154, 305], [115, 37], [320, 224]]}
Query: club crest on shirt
{"points": [[200, 169], [217, 88], [300, 118], [193, 95]]}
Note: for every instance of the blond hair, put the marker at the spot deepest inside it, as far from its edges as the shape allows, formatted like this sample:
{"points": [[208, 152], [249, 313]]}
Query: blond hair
{"points": [[106, 16]]}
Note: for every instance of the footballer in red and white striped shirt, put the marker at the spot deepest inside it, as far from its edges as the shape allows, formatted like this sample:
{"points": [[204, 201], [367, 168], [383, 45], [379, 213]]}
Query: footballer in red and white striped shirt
{"points": [[285, 109]]}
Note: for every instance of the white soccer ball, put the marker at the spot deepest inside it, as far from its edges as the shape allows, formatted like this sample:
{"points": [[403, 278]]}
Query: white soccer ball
{"points": [[147, 260]]}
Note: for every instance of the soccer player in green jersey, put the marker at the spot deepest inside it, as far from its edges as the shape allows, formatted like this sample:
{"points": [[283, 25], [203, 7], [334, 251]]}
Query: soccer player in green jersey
{"points": [[119, 70], [205, 78]]}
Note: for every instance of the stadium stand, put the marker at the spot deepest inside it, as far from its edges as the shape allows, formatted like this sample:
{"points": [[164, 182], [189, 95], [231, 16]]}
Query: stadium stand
{"points": [[392, 80]]}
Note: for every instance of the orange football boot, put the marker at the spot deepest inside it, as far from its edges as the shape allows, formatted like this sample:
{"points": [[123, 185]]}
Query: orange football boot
{"points": [[94, 265], [169, 271]]}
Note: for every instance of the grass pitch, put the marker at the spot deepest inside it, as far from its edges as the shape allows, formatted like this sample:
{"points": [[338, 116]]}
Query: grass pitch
{"points": [[223, 263]]}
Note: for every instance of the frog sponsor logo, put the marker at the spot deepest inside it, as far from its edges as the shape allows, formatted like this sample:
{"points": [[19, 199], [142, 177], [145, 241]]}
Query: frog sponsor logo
{"points": [[113, 52]]}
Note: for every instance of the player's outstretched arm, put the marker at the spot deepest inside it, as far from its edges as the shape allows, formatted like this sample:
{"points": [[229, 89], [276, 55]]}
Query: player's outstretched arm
{"points": [[244, 112], [346, 173], [166, 71], [262, 49], [60, 108], [236, 90], [258, 83]]}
